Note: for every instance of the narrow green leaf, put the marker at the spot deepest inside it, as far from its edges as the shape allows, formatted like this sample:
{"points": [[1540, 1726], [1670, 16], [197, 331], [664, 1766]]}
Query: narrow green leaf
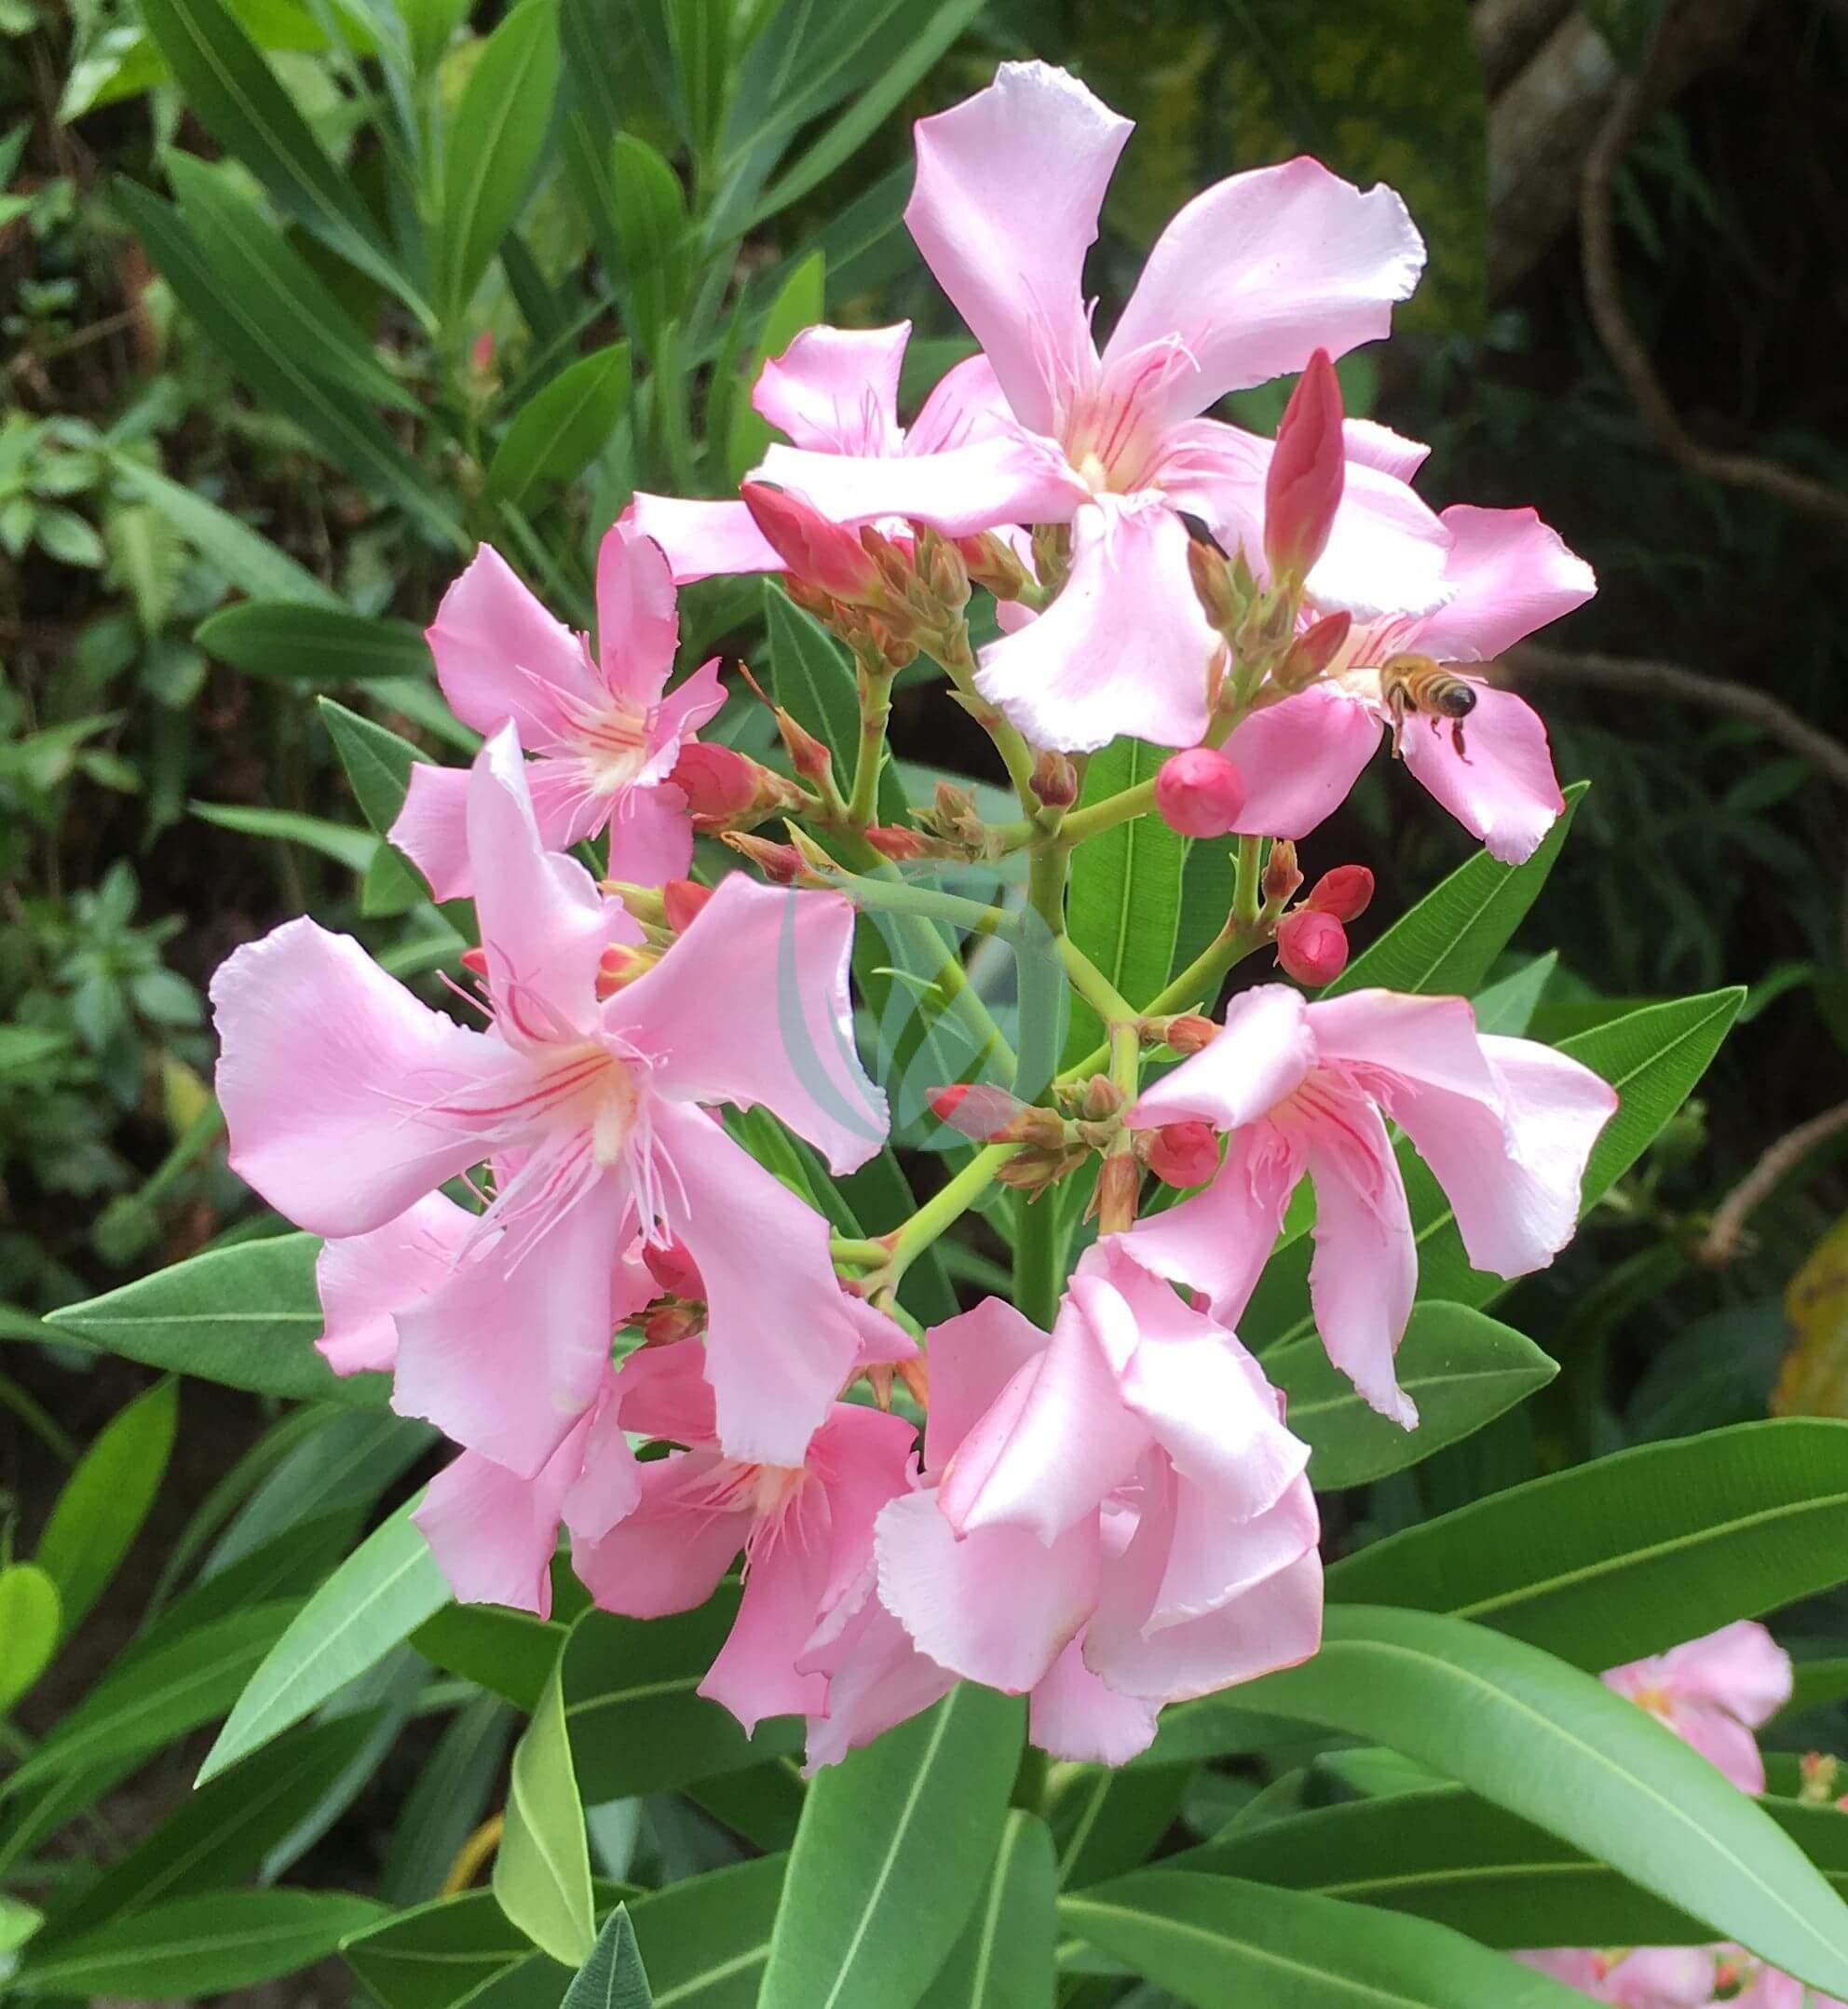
{"points": [[377, 762], [1630, 1554], [283, 293], [341, 842], [1447, 944], [1004, 1958], [452, 1795], [542, 1869], [222, 1834], [649, 228], [1558, 1748], [153, 1698], [705, 1939], [106, 1499], [380, 1595], [558, 432], [637, 1725], [613, 1977], [494, 144], [235, 96], [29, 1626], [1220, 1943], [1125, 901], [291, 641], [200, 1946], [245, 556], [454, 1951], [891, 1851], [762, 1803], [812, 679], [1109, 1818], [246, 1316], [509, 1653], [1461, 1368]]}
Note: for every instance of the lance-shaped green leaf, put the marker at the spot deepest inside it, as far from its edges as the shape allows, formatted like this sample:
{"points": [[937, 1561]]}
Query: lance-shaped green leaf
{"points": [[494, 142], [289, 641], [380, 1595], [1447, 944], [705, 1941], [1461, 1368], [542, 1868], [1558, 1748], [1445, 1855], [892, 1851], [613, 1977], [247, 1316], [509, 1653], [346, 846], [1220, 1943], [1630, 1554], [1004, 1958], [246, 557], [454, 1951], [561, 430], [104, 1502], [29, 1627], [378, 761], [1105, 1818], [235, 96], [199, 1946]]}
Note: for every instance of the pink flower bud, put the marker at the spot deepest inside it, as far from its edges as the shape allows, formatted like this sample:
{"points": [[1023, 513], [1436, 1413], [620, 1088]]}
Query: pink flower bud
{"points": [[974, 1109], [673, 1269], [681, 902], [1189, 1033], [1302, 489], [717, 782], [1183, 1154], [1313, 650], [1312, 946], [893, 840], [781, 864], [1344, 892], [1199, 792], [1054, 780], [481, 352], [819, 553]]}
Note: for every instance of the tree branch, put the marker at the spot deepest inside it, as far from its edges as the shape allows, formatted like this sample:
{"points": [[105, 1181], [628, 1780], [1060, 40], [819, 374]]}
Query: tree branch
{"points": [[1722, 1241]]}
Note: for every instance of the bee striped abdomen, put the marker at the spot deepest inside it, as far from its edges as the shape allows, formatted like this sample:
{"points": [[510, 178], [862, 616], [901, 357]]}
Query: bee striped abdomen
{"points": [[1421, 684]]}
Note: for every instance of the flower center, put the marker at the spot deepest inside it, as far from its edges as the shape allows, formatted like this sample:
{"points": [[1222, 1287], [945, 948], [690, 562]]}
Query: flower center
{"points": [[613, 744]]}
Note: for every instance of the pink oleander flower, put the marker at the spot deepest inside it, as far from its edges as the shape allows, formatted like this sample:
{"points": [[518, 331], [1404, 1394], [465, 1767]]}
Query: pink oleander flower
{"points": [[1108, 1519], [1507, 573], [1506, 1126], [806, 1529], [1713, 1692], [1651, 1978], [348, 1103], [605, 731], [1248, 280], [833, 392]]}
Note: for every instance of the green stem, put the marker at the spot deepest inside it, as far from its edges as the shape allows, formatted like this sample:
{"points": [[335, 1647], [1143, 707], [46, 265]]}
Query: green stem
{"points": [[1046, 876], [1199, 981], [899, 896], [1105, 814], [1094, 988], [1245, 895], [947, 1205], [875, 707], [862, 1255]]}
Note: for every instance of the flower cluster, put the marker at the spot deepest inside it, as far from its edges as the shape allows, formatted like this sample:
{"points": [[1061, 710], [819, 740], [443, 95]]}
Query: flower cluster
{"points": [[1712, 1693], [545, 1226]]}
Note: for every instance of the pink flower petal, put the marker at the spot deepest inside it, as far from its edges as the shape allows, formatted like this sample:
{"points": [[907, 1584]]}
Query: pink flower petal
{"points": [[1215, 1555], [492, 1532], [1260, 269], [1511, 1168], [836, 389], [1505, 791], [1124, 648], [662, 1392], [703, 539], [362, 1280], [1300, 759], [1398, 1037], [1741, 1669], [750, 1006], [967, 403], [431, 828], [861, 1458], [334, 1081], [669, 1555], [1722, 1740], [781, 1338], [1009, 183], [500, 655], [1374, 445], [638, 623], [755, 1675], [1263, 1055], [973, 1356], [1363, 1274], [544, 925], [1009, 477], [1662, 1978], [650, 835], [695, 699], [510, 1350], [1076, 1718], [876, 1678], [1510, 575], [998, 1606], [1218, 1240]]}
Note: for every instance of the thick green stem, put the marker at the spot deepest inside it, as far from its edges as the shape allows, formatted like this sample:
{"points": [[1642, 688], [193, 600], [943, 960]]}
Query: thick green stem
{"points": [[1094, 988], [1199, 981], [1246, 896], [899, 896], [1046, 878], [1101, 816], [947, 1205], [875, 706]]}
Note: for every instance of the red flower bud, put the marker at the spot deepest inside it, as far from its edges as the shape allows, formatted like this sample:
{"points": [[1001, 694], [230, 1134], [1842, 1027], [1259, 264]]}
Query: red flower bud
{"points": [[1199, 792], [974, 1109], [1054, 780], [819, 553], [673, 1269], [1303, 488], [681, 899], [781, 864], [1344, 892], [893, 840], [1313, 650], [1312, 946], [717, 782], [1183, 1154]]}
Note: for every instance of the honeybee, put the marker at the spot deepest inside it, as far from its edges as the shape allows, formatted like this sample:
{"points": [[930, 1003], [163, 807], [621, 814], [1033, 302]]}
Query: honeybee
{"points": [[1421, 684]]}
